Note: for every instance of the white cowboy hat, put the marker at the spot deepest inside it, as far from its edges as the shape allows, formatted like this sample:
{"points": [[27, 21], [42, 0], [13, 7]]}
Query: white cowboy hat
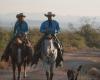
{"points": [[20, 15], [49, 14]]}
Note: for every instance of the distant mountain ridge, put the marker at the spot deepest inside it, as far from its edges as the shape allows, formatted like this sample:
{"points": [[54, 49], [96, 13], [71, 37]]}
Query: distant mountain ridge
{"points": [[35, 20]]}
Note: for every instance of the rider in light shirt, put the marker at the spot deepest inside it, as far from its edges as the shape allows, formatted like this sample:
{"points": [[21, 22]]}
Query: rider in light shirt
{"points": [[49, 27]]}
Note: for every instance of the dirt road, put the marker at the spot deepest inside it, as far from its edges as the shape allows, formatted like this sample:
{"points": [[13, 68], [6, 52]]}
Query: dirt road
{"points": [[71, 60]]}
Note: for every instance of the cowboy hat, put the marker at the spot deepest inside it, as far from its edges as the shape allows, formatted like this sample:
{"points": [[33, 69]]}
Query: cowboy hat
{"points": [[20, 15], [49, 14]]}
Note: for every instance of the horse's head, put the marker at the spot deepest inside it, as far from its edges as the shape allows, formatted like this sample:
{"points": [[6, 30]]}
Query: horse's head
{"points": [[49, 48], [49, 37], [48, 42]]}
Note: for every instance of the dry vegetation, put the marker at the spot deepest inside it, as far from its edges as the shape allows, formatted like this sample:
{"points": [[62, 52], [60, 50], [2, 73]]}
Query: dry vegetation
{"points": [[85, 37]]}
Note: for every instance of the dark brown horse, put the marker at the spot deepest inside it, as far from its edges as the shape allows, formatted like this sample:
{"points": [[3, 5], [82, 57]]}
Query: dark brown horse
{"points": [[20, 54]]}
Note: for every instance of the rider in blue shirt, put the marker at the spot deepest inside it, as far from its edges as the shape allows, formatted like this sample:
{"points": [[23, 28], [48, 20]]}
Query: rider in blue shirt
{"points": [[21, 27], [49, 27]]}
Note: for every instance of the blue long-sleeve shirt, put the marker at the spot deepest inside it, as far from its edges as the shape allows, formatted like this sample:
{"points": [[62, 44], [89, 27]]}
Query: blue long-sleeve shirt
{"points": [[20, 27], [51, 26]]}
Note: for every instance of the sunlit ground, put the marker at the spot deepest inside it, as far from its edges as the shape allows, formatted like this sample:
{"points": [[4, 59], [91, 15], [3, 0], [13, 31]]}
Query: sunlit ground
{"points": [[71, 60]]}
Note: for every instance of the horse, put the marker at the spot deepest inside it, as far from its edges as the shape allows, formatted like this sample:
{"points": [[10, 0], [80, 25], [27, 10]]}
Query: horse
{"points": [[20, 55], [49, 56]]}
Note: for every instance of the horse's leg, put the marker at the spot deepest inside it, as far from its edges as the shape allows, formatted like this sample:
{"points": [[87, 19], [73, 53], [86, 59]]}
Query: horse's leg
{"points": [[24, 70], [14, 70], [19, 71], [51, 72], [47, 75]]}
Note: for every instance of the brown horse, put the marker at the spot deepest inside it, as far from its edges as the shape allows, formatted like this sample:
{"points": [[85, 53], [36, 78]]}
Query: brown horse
{"points": [[20, 54]]}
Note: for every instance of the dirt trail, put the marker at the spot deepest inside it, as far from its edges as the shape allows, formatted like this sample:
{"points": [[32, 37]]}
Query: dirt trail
{"points": [[72, 60]]}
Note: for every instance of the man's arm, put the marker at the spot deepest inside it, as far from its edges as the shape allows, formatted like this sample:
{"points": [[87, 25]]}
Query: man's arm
{"points": [[57, 28], [43, 28], [26, 28], [14, 29]]}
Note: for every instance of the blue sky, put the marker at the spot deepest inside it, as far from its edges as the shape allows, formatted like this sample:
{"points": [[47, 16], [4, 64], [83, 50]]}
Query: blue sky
{"points": [[60, 7]]}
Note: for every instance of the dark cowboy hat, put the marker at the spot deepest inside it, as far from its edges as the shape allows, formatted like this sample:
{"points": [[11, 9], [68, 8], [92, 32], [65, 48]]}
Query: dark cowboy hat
{"points": [[20, 15], [49, 14]]}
